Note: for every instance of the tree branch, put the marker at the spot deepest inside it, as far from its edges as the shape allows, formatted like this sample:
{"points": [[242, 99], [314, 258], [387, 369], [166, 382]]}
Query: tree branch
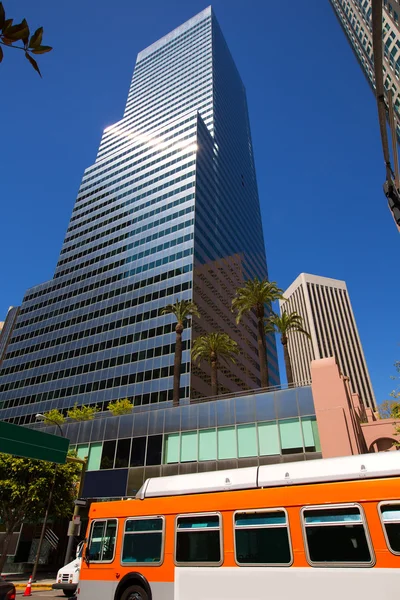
{"points": [[12, 46]]}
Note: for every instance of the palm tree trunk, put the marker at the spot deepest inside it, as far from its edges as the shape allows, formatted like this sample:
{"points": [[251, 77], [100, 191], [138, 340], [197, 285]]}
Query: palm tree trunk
{"points": [[177, 363], [262, 348], [214, 376], [288, 364]]}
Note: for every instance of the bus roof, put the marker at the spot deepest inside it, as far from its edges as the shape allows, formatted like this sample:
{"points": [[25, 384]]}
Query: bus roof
{"points": [[347, 468]]}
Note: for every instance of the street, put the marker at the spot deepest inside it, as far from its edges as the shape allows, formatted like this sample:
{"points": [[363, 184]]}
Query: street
{"points": [[39, 595]]}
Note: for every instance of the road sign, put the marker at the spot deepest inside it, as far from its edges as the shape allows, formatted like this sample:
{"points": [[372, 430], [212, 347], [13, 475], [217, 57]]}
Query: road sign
{"points": [[30, 443], [74, 529]]}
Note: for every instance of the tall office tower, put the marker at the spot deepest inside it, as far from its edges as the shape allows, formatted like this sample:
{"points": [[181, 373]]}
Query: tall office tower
{"points": [[6, 329], [324, 305], [168, 211], [355, 18]]}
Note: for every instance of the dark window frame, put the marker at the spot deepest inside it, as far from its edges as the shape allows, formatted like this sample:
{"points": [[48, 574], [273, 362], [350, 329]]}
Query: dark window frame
{"points": [[162, 531], [363, 523], [380, 505], [92, 525], [243, 527], [221, 539]]}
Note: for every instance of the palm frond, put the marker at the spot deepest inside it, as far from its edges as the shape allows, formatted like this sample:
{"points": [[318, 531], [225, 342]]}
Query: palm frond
{"points": [[182, 309], [253, 294], [218, 344], [269, 327], [288, 322]]}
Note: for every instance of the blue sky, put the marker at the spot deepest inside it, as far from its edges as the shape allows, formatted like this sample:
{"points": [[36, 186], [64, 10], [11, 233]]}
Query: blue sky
{"points": [[315, 134]]}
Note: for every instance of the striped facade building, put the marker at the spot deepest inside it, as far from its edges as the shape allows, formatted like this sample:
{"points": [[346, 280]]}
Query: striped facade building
{"points": [[325, 307]]}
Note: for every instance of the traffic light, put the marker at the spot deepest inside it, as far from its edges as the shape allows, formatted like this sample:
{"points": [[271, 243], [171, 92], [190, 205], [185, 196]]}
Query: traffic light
{"points": [[393, 196]]}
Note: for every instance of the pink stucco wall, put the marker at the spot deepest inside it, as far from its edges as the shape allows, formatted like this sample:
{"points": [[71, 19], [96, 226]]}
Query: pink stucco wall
{"points": [[345, 426]]}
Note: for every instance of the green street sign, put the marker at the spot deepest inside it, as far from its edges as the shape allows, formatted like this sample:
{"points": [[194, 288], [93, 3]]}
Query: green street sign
{"points": [[30, 443]]}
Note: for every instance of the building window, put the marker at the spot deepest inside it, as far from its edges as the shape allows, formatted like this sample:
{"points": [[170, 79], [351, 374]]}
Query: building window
{"points": [[154, 450], [95, 456], [198, 540], [390, 515], [102, 541], [336, 536], [227, 445], [172, 448], [107, 457], [122, 454], [262, 538], [247, 440], [268, 438], [310, 434], [82, 450], [143, 541], [138, 452], [189, 441], [208, 444], [291, 436]]}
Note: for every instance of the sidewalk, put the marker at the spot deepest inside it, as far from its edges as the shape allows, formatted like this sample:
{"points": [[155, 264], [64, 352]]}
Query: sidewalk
{"points": [[43, 584]]}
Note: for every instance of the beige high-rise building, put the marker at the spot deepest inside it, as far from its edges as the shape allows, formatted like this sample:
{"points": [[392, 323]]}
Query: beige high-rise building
{"points": [[324, 305]]}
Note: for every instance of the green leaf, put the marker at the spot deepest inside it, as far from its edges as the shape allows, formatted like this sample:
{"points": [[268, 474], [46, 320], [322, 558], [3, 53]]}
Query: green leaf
{"points": [[41, 50], [33, 63], [18, 32], [120, 407], [54, 416], [25, 485], [7, 24], [25, 39], [2, 15], [36, 39], [1, 54]]}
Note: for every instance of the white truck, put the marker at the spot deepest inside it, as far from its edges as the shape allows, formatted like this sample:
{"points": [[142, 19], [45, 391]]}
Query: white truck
{"points": [[68, 576]]}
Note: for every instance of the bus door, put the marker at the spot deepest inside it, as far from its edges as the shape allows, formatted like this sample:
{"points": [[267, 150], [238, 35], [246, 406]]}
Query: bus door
{"points": [[99, 558]]}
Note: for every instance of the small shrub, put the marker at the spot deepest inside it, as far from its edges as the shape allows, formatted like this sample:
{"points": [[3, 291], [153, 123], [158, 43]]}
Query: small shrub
{"points": [[120, 407], [82, 413]]}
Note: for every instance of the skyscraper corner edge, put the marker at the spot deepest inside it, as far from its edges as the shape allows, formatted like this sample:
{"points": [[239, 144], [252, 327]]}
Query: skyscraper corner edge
{"points": [[207, 12]]}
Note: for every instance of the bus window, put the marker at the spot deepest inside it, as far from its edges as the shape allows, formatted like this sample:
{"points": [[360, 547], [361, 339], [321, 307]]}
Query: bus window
{"points": [[102, 541], [390, 515], [336, 536], [198, 539], [143, 541], [262, 538]]}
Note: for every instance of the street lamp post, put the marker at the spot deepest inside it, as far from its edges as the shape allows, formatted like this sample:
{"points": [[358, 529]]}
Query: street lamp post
{"points": [[40, 417]]}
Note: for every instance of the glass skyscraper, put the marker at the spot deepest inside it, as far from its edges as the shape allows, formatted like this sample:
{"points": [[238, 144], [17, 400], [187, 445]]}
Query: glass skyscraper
{"points": [[168, 211], [355, 19]]}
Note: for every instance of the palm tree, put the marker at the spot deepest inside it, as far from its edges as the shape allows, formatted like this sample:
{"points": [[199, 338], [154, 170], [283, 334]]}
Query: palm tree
{"points": [[253, 297], [214, 347], [283, 325], [181, 310]]}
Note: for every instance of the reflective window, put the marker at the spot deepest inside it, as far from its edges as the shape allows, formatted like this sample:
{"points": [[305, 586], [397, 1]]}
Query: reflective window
{"points": [[262, 538], [198, 539], [102, 540], [122, 454], [390, 515], [154, 449], [143, 540], [138, 452], [107, 457], [336, 535]]}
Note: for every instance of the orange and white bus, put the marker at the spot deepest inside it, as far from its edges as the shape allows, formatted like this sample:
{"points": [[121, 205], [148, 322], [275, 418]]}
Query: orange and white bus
{"points": [[324, 529]]}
